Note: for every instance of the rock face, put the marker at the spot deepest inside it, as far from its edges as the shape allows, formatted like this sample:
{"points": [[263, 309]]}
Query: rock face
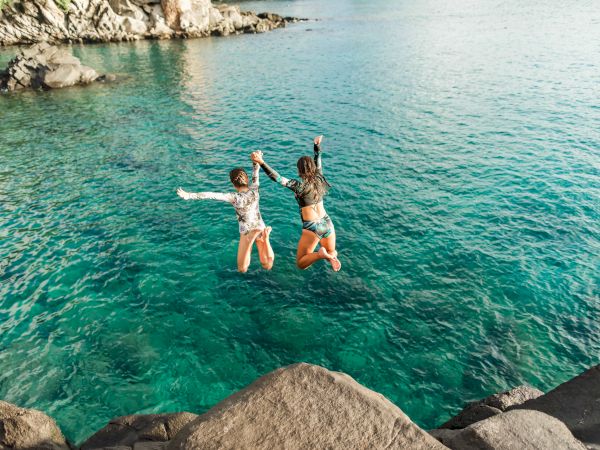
{"points": [[491, 406], [26, 429], [577, 404], [45, 66], [304, 406], [148, 432], [522, 429], [31, 21]]}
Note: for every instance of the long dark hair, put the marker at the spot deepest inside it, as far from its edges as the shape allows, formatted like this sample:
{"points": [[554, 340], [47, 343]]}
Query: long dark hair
{"points": [[312, 180]]}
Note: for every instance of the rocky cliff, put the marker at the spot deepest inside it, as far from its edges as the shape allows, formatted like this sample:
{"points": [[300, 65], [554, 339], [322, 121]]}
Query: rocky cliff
{"points": [[32, 21], [308, 407]]}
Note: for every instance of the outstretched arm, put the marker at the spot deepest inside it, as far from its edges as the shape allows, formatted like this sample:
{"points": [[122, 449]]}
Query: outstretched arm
{"points": [[205, 196], [273, 174]]}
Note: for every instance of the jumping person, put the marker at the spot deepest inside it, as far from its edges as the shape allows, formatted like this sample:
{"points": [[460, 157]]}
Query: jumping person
{"points": [[317, 227], [252, 228]]}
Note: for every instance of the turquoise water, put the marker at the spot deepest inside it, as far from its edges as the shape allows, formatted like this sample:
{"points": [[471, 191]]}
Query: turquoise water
{"points": [[463, 142]]}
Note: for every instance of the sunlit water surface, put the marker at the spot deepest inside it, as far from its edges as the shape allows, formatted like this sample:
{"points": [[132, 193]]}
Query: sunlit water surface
{"points": [[463, 143]]}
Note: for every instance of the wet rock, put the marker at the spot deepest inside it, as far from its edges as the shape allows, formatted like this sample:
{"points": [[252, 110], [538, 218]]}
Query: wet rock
{"points": [[490, 406], [519, 429], [27, 429], [304, 406], [576, 403], [45, 66], [139, 432]]}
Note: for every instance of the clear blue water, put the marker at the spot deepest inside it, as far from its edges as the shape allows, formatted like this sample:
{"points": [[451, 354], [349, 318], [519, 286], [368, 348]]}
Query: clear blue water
{"points": [[463, 141]]}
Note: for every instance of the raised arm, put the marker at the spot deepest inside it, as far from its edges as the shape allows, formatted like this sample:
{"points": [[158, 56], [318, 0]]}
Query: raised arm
{"points": [[317, 150], [255, 178], [229, 198]]}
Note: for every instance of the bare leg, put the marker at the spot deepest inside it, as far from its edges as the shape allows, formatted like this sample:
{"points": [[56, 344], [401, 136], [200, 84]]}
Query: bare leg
{"points": [[329, 251], [305, 256], [265, 252], [245, 250]]}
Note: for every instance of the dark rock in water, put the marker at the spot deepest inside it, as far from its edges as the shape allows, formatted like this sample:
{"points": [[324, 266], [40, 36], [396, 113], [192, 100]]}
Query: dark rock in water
{"points": [[27, 429], [576, 403], [304, 407], [139, 431], [522, 430], [490, 406], [469, 415], [45, 66]]}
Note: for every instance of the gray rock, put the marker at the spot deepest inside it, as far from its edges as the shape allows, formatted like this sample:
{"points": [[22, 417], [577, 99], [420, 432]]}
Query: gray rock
{"points": [[576, 403], [302, 407], [64, 76], [490, 406], [138, 429], [469, 415], [522, 430], [27, 429], [444, 435], [25, 22]]}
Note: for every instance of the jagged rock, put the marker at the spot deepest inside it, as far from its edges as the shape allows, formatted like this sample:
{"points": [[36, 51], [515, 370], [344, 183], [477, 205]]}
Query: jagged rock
{"points": [[30, 21], [140, 432], [490, 406], [444, 435], [27, 429], [519, 429], [576, 403], [44, 66], [304, 406]]}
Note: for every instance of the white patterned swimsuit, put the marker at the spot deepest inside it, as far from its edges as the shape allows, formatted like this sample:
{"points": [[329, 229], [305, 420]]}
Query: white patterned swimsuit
{"points": [[246, 203]]}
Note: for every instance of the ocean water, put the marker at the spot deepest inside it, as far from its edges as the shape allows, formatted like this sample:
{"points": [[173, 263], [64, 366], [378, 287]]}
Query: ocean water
{"points": [[462, 139]]}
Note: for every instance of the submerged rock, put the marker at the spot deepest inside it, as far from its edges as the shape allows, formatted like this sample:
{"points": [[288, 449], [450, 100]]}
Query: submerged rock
{"points": [[576, 403], [46, 67], [27, 429], [491, 406], [139, 431], [304, 406], [31, 21], [522, 429]]}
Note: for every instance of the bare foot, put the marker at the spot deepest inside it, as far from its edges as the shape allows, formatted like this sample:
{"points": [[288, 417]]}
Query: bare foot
{"points": [[336, 265]]}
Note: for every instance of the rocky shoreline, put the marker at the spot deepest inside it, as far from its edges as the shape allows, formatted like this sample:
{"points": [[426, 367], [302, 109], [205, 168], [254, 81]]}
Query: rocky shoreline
{"points": [[84, 21], [305, 406]]}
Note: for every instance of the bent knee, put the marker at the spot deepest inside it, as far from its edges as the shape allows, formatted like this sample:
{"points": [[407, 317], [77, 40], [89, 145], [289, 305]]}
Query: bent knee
{"points": [[242, 269], [268, 264]]}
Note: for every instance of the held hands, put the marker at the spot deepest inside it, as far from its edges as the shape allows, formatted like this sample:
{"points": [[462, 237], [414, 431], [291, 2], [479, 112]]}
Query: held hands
{"points": [[184, 195], [318, 140], [257, 157]]}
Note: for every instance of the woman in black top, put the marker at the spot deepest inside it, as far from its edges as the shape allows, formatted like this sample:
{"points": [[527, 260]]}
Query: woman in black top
{"points": [[317, 227]]}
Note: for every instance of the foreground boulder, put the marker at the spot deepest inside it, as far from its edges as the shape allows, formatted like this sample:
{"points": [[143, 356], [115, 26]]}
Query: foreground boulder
{"points": [[519, 429], [32, 21], [139, 431], [577, 404], [44, 66], [27, 429], [304, 406], [491, 406]]}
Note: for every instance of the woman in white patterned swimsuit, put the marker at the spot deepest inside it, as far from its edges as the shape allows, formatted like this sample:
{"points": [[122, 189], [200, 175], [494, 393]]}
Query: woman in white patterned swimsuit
{"points": [[246, 204]]}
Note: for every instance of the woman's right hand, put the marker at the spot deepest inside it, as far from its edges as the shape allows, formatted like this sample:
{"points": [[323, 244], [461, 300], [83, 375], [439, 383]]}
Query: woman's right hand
{"points": [[184, 195]]}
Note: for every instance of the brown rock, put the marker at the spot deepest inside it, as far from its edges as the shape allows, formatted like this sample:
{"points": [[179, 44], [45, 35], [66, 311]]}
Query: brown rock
{"points": [[27, 429], [304, 406]]}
